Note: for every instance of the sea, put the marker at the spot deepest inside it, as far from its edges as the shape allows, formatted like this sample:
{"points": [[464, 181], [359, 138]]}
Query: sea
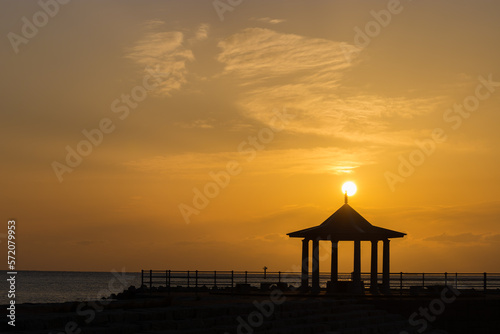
{"points": [[64, 286]]}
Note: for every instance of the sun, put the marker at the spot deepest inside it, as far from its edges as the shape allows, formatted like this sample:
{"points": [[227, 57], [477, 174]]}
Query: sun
{"points": [[350, 188]]}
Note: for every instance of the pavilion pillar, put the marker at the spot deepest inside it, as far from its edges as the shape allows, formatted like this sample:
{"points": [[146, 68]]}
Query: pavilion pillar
{"points": [[305, 264], [335, 262], [386, 274], [356, 277], [374, 264], [315, 265]]}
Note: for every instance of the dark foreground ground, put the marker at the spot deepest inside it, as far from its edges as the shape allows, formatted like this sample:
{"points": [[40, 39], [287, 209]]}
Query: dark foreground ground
{"points": [[273, 311]]}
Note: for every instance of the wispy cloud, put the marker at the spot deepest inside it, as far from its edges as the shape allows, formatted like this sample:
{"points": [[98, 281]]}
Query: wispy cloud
{"points": [[202, 32], [444, 222], [283, 162], [268, 20], [256, 55], [197, 124], [308, 75], [457, 238], [164, 51]]}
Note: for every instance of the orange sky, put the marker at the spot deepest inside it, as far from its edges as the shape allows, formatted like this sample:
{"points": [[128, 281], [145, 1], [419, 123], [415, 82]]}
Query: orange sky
{"points": [[266, 108]]}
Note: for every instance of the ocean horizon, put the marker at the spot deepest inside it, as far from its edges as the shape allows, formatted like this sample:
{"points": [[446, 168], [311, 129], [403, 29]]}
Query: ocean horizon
{"points": [[70, 286], [66, 286]]}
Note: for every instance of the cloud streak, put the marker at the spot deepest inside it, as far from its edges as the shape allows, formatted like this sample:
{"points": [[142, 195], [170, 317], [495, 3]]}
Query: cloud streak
{"points": [[308, 75], [281, 162], [165, 52]]}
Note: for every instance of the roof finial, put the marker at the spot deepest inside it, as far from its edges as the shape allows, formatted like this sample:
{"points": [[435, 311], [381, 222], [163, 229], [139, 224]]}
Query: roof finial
{"points": [[349, 189]]}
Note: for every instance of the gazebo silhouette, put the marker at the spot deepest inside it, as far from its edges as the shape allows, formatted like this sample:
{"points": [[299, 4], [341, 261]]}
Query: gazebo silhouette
{"points": [[346, 224]]}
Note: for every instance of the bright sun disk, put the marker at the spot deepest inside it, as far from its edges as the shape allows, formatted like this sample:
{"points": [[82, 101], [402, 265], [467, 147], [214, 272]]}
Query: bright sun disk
{"points": [[350, 188]]}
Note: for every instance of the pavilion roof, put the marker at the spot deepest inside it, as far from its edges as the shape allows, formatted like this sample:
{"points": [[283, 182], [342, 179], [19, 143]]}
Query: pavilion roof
{"points": [[346, 224]]}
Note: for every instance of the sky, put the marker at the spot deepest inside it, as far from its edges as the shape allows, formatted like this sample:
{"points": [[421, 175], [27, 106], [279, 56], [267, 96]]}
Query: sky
{"points": [[194, 135]]}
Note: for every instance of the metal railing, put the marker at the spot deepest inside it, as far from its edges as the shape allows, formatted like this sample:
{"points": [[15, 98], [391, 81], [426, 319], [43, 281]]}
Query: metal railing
{"points": [[225, 279]]}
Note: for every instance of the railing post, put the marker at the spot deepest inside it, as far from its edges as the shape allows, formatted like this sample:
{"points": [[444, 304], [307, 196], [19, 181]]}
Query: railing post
{"points": [[188, 278], [456, 280], [215, 278], [246, 280], [484, 282], [279, 276], [423, 279], [401, 283], [445, 279], [166, 278], [232, 278], [150, 280], [196, 280], [142, 277], [169, 281]]}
